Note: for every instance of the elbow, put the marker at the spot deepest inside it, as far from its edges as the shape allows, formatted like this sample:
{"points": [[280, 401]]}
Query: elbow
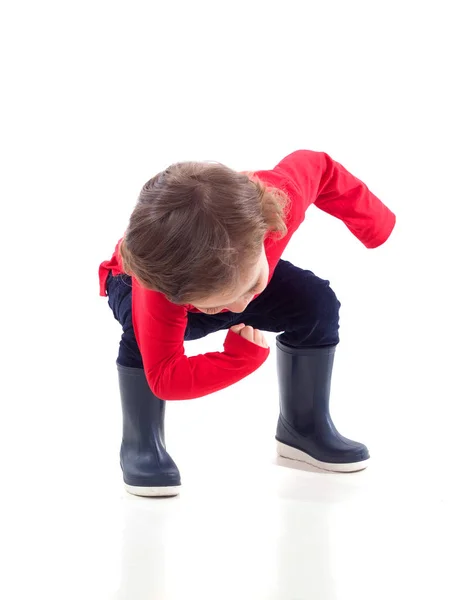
{"points": [[161, 391], [164, 390], [156, 386]]}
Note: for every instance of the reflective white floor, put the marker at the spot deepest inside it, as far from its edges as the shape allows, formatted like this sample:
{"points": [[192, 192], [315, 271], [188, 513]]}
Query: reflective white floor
{"points": [[247, 525]]}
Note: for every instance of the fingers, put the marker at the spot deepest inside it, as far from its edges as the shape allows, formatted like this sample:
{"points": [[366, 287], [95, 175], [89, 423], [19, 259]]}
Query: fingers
{"points": [[237, 328], [249, 333], [259, 339]]}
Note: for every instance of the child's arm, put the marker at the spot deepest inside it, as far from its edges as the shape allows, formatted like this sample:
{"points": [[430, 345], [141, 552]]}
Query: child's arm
{"points": [[160, 328], [322, 181]]}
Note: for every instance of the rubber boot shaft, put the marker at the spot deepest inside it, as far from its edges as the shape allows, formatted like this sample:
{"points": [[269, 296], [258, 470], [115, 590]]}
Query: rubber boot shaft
{"points": [[305, 422], [143, 456]]}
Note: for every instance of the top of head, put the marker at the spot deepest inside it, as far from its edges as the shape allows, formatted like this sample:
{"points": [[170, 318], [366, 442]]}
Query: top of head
{"points": [[197, 231]]}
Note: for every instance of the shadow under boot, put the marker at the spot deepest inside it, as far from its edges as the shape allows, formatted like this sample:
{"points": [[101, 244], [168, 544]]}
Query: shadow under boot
{"points": [[148, 469]]}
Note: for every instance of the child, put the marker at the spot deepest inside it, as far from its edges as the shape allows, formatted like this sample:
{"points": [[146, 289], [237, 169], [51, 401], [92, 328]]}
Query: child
{"points": [[202, 253]]}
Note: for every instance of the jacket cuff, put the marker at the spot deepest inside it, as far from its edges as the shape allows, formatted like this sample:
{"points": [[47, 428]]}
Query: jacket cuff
{"points": [[236, 345]]}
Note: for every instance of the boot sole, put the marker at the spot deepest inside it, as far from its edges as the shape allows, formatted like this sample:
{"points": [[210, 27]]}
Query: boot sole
{"points": [[153, 492], [295, 454]]}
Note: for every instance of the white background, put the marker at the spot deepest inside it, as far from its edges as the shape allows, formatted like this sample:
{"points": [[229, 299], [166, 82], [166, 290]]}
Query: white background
{"points": [[96, 98]]}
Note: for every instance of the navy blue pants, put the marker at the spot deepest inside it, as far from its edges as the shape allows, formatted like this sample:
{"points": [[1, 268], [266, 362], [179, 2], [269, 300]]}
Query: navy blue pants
{"points": [[296, 303]]}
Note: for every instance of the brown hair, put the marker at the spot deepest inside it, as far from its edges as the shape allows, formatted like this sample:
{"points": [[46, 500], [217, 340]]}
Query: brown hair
{"points": [[194, 224]]}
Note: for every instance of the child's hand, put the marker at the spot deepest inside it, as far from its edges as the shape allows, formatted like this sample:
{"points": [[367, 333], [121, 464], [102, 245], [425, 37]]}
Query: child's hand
{"points": [[249, 333]]}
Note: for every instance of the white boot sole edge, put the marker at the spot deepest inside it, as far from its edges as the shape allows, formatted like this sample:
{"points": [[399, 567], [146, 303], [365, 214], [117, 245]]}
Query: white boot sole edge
{"points": [[294, 454], [153, 492]]}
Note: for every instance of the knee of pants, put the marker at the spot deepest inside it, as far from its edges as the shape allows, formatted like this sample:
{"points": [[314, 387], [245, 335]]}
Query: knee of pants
{"points": [[318, 322], [327, 306], [317, 304], [129, 353]]}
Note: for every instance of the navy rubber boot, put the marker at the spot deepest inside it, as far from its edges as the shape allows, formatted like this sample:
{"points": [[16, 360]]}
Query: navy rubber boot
{"points": [[305, 430], [148, 470]]}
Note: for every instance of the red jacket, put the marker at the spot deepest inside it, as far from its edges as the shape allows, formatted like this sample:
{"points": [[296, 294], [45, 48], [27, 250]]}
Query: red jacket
{"points": [[308, 177]]}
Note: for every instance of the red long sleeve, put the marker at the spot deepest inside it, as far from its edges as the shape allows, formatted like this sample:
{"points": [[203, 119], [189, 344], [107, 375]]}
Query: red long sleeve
{"points": [[160, 328], [322, 181]]}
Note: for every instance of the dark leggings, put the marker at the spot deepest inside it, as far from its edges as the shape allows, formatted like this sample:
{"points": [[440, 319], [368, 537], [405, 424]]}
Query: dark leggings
{"points": [[295, 302]]}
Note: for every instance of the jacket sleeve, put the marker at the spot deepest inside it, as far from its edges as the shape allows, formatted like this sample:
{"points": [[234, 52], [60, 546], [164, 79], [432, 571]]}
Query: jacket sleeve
{"points": [[322, 181], [159, 328]]}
